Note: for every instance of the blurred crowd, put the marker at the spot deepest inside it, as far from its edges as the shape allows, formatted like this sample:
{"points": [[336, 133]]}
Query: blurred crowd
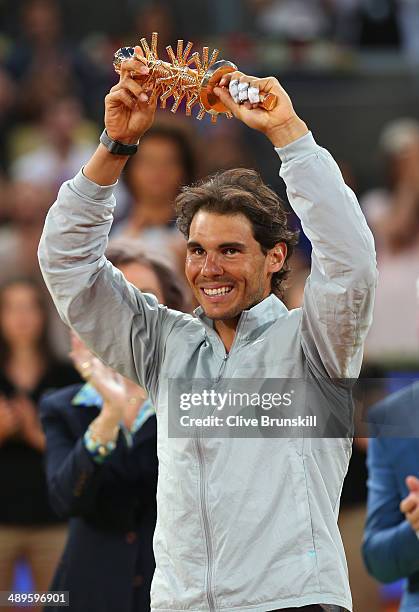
{"points": [[55, 68]]}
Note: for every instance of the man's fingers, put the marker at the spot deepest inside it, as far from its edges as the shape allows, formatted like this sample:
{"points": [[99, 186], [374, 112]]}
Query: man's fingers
{"points": [[230, 76], [243, 89], [139, 54], [132, 68], [121, 97], [225, 97], [132, 87]]}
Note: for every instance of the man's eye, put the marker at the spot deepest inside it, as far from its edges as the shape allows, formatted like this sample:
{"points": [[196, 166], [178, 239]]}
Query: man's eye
{"points": [[197, 251], [230, 251]]}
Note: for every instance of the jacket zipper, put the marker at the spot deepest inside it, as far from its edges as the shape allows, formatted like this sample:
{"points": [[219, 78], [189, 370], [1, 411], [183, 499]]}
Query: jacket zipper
{"points": [[203, 496], [208, 542], [203, 499], [222, 368]]}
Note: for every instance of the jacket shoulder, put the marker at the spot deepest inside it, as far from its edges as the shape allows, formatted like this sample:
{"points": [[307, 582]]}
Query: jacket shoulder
{"points": [[397, 416]]}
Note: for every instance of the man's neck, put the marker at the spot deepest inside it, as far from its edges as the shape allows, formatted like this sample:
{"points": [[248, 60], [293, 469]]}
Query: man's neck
{"points": [[227, 331]]}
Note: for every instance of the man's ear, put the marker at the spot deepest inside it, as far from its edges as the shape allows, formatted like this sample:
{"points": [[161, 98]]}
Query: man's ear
{"points": [[277, 256]]}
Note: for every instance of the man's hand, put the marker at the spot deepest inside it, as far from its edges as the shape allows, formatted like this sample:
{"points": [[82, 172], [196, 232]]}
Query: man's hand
{"points": [[281, 125], [129, 112], [129, 109], [410, 504]]}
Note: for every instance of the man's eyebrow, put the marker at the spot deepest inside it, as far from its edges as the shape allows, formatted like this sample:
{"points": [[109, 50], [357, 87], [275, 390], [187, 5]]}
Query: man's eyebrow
{"points": [[232, 245], [225, 245], [192, 244]]}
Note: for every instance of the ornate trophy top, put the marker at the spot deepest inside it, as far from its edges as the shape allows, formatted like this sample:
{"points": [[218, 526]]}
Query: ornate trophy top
{"points": [[179, 80]]}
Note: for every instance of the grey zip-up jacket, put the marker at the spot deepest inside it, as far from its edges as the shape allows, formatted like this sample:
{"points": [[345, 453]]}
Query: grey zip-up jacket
{"points": [[243, 524]]}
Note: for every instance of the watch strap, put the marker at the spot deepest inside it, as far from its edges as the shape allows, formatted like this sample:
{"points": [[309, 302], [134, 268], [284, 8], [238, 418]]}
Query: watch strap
{"points": [[117, 148]]}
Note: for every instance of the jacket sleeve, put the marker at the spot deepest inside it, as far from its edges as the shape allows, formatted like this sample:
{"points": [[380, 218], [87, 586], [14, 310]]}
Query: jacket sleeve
{"points": [[73, 478], [339, 293], [124, 327], [391, 547]]}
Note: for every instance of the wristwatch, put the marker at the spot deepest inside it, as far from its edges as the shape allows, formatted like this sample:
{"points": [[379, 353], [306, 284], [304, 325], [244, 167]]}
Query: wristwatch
{"points": [[117, 148]]}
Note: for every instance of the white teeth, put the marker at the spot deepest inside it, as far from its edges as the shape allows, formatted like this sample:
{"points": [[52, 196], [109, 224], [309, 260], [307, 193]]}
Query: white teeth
{"points": [[220, 291]]}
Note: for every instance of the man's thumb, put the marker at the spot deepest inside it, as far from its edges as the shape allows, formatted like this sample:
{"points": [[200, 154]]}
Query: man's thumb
{"points": [[412, 484], [224, 95]]}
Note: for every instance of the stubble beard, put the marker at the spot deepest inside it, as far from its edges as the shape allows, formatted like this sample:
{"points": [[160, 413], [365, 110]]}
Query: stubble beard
{"points": [[255, 298]]}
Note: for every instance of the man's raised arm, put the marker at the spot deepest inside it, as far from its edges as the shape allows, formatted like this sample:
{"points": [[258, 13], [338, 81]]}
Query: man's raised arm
{"points": [[122, 326], [339, 293]]}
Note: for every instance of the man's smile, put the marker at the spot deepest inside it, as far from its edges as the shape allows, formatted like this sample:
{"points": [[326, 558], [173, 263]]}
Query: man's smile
{"points": [[217, 293]]}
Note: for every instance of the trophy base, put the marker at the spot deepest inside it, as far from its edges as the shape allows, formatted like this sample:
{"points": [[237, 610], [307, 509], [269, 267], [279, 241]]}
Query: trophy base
{"points": [[212, 77]]}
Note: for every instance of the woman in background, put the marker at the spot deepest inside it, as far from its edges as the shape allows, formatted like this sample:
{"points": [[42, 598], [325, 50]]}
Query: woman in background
{"points": [[102, 467], [29, 529], [154, 176]]}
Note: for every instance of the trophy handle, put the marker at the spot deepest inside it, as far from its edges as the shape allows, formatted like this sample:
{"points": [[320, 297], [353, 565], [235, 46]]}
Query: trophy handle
{"points": [[212, 77]]}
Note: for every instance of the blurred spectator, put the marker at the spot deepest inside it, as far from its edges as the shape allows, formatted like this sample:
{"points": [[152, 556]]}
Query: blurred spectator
{"points": [[391, 541], [409, 28], [164, 162], [5, 205], [28, 204], [293, 20], [65, 145], [28, 527], [225, 148], [393, 215], [19, 240], [365, 590], [38, 54], [8, 93], [378, 23], [154, 17]]}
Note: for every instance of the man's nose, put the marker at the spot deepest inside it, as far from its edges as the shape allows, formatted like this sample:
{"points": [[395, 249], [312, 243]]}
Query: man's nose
{"points": [[211, 266]]}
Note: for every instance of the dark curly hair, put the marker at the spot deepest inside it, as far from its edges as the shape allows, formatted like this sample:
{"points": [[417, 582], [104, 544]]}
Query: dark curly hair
{"points": [[241, 191]]}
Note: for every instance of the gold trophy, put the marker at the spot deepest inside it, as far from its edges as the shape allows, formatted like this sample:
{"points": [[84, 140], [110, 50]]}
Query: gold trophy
{"points": [[179, 80]]}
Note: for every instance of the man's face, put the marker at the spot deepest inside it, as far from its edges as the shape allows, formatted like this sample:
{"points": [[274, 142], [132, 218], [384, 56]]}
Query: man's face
{"points": [[225, 265]]}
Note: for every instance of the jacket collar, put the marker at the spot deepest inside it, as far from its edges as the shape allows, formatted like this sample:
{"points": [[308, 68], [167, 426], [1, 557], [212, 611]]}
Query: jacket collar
{"points": [[251, 321]]}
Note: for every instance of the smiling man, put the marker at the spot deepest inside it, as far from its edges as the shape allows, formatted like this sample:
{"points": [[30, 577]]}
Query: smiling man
{"points": [[231, 223], [243, 524]]}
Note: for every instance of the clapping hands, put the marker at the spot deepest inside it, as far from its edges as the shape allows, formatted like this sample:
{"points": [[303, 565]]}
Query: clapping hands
{"points": [[121, 397], [19, 418]]}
